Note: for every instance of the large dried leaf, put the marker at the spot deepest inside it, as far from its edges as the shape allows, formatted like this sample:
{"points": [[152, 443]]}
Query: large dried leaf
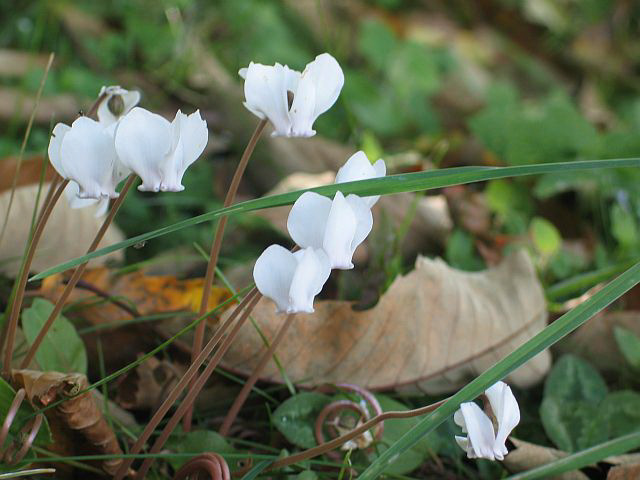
{"points": [[77, 422], [433, 330], [67, 235]]}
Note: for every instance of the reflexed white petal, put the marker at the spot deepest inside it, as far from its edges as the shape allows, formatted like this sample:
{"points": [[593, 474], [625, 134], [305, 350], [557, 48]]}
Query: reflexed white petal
{"points": [[480, 430], [71, 192], [507, 413], [339, 233], [364, 219], [189, 138], [310, 276], [318, 89], [130, 99], [55, 143], [142, 141], [273, 273], [308, 219], [463, 443], [265, 91], [458, 419], [88, 156], [358, 167]]}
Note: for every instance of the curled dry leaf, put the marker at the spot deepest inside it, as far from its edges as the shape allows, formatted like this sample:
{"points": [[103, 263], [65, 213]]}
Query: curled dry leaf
{"points": [[433, 330], [529, 455], [624, 472], [79, 418], [67, 235]]}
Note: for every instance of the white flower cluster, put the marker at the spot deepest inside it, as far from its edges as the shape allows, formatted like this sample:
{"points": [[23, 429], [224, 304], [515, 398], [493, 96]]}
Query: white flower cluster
{"points": [[328, 233], [96, 155]]}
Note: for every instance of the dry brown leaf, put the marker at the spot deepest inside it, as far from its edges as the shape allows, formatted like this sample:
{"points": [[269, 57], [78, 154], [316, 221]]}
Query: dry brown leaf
{"points": [[594, 341], [146, 294], [15, 63], [434, 329], [14, 102], [30, 171], [67, 234], [624, 472], [529, 455], [79, 418], [147, 385]]}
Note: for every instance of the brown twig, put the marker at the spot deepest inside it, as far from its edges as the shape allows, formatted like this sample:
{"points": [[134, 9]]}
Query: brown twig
{"points": [[182, 384], [211, 464], [198, 337], [12, 324], [336, 442], [251, 381], [77, 273], [187, 403], [334, 410], [8, 456]]}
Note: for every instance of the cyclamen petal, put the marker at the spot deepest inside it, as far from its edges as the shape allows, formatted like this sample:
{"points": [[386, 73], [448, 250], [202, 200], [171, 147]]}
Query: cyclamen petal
{"points": [[126, 100], [291, 280], [318, 89], [266, 89], [85, 154], [482, 440], [158, 151], [358, 167], [507, 412], [71, 192], [338, 226]]}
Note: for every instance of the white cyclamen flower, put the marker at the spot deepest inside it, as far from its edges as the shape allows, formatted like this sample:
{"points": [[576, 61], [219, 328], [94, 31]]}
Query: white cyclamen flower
{"points": [[71, 192], [159, 152], [291, 280], [337, 226], [267, 88], [358, 167], [84, 152], [116, 103], [481, 440]]}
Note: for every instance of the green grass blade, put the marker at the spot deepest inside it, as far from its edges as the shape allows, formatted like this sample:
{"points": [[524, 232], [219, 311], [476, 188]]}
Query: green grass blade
{"points": [[410, 182], [581, 459], [551, 334]]}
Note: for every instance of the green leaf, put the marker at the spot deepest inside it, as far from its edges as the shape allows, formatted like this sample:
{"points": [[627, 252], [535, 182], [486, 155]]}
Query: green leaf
{"points": [[200, 441], [629, 345], [545, 236], [461, 252], [623, 227], [569, 412], [295, 418], [550, 335], [409, 182], [61, 350], [619, 413], [25, 412], [395, 428], [376, 43]]}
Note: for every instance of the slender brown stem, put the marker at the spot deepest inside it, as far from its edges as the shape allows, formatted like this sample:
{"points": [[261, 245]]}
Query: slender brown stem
{"points": [[198, 337], [187, 403], [182, 384], [50, 192], [251, 381], [12, 324], [94, 108], [77, 273], [336, 442]]}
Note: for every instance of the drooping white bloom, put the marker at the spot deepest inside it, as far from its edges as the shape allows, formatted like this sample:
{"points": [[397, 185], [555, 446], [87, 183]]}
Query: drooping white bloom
{"points": [[116, 103], [481, 440], [84, 153], [358, 167], [291, 280], [158, 151], [71, 192], [337, 226], [267, 87]]}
